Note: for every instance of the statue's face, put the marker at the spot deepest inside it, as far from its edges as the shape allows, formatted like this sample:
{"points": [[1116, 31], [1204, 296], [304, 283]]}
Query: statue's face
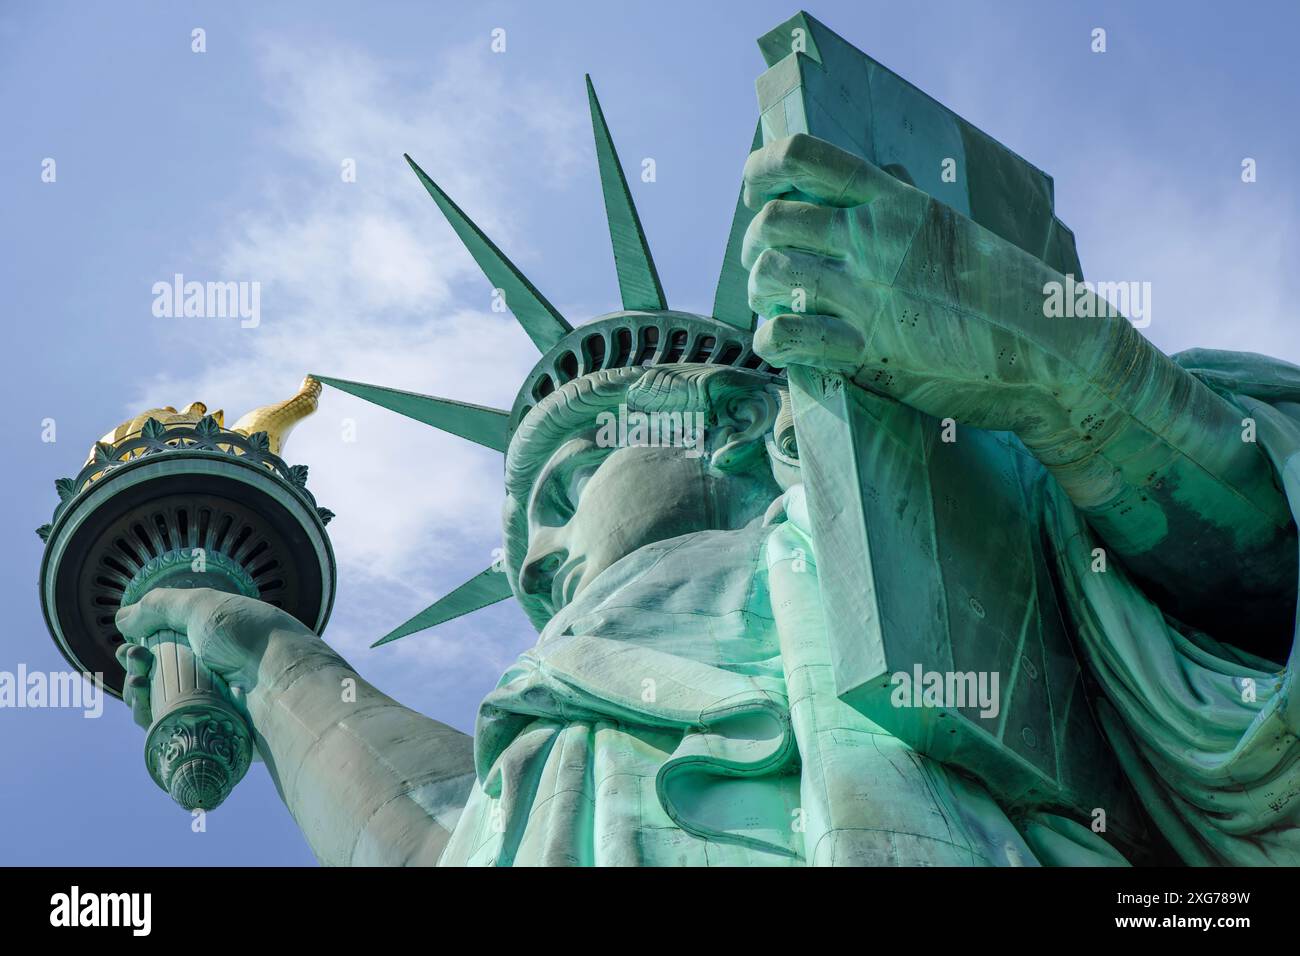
{"points": [[591, 506], [585, 494]]}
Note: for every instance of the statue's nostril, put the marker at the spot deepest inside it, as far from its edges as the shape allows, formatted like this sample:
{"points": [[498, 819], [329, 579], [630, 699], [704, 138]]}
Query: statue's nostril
{"points": [[536, 576]]}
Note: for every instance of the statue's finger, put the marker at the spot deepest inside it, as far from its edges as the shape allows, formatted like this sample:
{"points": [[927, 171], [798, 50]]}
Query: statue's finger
{"points": [[803, 164], [790, 280], [795, 225], [167, 609], [135, 691], [819, 341], [135, 659]]}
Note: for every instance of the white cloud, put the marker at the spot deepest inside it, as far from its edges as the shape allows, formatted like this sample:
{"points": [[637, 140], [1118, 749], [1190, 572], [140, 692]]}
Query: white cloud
{"points": [[366, 281], [1221, 266]]}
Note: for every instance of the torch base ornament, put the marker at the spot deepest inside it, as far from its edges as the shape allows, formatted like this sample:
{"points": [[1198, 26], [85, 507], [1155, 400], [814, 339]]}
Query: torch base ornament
{"points": [[199, 745], [190, 568]]}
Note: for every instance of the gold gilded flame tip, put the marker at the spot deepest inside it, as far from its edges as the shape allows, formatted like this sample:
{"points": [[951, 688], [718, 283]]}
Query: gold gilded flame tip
{"points": [[276, 420]]}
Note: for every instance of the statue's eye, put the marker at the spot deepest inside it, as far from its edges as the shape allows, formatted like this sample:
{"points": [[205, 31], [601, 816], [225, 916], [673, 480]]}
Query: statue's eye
{"points": [[563, 488], [578, 480]]}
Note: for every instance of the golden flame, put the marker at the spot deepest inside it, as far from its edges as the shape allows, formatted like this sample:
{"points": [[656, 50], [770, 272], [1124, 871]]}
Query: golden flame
{"points": [[276, 420]]}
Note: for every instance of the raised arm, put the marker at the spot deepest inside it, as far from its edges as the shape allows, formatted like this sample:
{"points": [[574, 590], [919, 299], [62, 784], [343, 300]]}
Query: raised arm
{"points": [[915, 301], [368, 781]]}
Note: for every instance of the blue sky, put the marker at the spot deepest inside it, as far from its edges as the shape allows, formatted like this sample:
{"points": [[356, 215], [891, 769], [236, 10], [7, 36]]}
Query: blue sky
{"points": [[226, 165]]}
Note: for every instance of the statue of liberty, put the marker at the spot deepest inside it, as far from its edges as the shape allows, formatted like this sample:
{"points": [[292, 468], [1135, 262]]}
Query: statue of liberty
{"points": [[943, 578]]}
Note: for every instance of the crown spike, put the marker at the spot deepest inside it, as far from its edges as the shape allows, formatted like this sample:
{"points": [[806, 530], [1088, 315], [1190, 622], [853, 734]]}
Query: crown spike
{"points": [[731, 301], [487, 587], [638, 280], [541, 320], [484, 426]]}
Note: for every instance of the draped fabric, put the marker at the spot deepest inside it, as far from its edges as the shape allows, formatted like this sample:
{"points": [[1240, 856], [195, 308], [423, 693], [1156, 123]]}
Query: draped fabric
{"points": [[868, 799], [681, 711], [648, 726], [1207, 733]]}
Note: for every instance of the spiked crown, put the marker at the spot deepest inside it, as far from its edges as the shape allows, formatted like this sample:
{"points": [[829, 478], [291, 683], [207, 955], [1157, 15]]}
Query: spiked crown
{"points": [[644, 333]]}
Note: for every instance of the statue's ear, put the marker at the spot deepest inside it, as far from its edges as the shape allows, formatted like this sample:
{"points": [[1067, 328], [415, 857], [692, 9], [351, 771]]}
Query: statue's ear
{"points": [[745, 418]]}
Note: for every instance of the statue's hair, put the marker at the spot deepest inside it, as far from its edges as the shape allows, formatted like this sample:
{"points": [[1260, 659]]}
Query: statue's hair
{"points": [[573, 409], [569, 409]]}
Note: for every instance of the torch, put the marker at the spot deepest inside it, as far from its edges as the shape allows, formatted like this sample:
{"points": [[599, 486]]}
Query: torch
{"points": [[177, 500]]}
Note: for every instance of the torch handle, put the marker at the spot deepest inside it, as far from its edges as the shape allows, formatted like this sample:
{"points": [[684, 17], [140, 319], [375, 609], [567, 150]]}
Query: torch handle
{"points": [[176, 671], [199, 745]]}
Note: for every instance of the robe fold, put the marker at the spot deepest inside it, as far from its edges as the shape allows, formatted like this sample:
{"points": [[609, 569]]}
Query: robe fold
{"points": [[681, 711]]}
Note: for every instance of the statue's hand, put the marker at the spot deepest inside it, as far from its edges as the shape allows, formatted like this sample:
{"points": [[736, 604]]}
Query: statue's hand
{"points": [[860, 273], [229, 633], [137, 661], [823, 249]]}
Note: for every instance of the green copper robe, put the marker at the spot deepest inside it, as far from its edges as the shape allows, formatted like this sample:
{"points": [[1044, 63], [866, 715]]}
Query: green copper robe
{"points": [[682, 712], [1205, 732]]}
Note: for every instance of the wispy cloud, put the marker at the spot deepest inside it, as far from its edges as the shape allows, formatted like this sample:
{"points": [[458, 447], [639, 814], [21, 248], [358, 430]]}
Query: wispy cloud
{"points": [[1146, 169], [1221, 263], [364, 280]]}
